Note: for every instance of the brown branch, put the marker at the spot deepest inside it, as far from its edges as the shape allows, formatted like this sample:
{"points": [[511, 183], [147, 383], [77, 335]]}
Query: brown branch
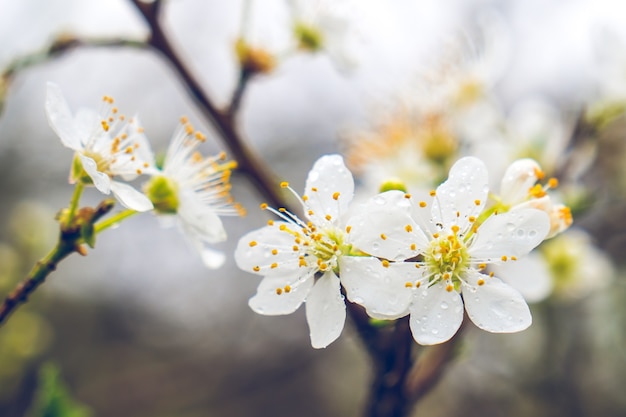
{"points": [[255, 169]]}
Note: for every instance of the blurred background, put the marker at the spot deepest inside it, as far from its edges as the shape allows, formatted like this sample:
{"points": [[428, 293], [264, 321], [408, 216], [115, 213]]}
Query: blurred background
{"points": [[140, 327]]}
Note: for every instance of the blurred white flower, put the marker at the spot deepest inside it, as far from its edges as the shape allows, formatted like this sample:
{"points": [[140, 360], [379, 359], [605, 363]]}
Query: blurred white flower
{"points": [[455, 245], [107, 144], [290, 253], [196, 190], [328, 26]]}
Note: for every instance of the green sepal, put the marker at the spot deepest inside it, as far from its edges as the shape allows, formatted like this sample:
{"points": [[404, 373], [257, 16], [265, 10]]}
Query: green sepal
{"points": [[88, 234]]}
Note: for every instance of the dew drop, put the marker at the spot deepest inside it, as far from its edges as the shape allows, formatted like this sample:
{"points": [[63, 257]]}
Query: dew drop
{"points": [[434, 331], [520, 232], [375, 246], [477, 300], [532, 233], [444, 305], [358, 300], [380, 200], [510, 227]]}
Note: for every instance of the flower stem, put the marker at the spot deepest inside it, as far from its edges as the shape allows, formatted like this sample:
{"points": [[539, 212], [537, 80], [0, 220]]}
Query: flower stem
{"points": [[78, 191], [113, 220], [36, 276]]}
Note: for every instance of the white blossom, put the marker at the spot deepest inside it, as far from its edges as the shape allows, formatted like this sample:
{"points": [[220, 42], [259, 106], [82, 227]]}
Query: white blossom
{"points": [[107, 145], [454, 245], [196, 190], [299, 259]]}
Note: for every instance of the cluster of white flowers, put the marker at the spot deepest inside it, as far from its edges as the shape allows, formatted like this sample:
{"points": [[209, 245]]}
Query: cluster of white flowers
{"points": [[111, 149], [397, 254]]}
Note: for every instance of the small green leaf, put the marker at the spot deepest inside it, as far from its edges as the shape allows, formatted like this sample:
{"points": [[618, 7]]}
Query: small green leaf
{"points": [[87, 233], [52, 398]]}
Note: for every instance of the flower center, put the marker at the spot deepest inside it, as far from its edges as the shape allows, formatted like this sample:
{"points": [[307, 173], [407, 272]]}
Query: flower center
{"points": [[309, 38], [447, 258], [163, 192]]}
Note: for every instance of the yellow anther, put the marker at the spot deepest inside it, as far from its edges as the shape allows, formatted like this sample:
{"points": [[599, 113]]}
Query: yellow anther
{"points": [[477, 202], [323, 266], [283, 227], [328, 217], [385, 263], [295, 248], [105, 125], [435, 235], [422, 204], [449, 287], [184, 120], [553, 182], [284, 184], [310, 212], [314, 189], [471, 219], [129, 150], [432, 193], [114, 110], [263, 206], [383, 236], [408, 284], [274, 251], [274, 265], [305, 197], [446, 276], [418, 284], [252, 243], [407, 195], [200, 136], [536, 191], [514, 258], [336, 196], [491, 274], [504, 258], [348, 228], [279, 291], [482, 266], [413, 246], [256, 269], [455, 228], [287, 288], [481, 281], [302, 263], [408, 228], [138, 171], [539, 173], [270, 222], [418, 266], [282, 209]]}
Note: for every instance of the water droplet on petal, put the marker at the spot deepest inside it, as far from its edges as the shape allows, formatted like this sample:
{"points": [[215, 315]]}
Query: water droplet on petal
{"points": [[380, 200], [444, 305], [434, 331], [532, 233]]}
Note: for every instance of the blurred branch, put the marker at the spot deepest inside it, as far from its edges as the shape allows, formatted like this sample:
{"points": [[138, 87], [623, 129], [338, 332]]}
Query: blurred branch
{"points": [[249, 164], [71, 237]]}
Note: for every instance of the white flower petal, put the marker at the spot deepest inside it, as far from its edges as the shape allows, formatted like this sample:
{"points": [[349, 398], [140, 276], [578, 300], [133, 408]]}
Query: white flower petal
{"points": [[328, 176], [200, 221], [510, 234], [519, 177], [325, 311], [84, 122], [268, 302], [101, 180], [495, 306], [130, 197], [529, 275], [255, 250], [382, 291], [463, 194], [211, 258], [436, 314], [60, 117], [384, 228]]}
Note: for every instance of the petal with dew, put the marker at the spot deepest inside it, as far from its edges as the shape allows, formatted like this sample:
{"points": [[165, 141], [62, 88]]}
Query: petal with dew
{"points": [[495, 306], [101, 180], [381, 290], [60, 117], [255, 251], [329, 189], [131, 198], [515, 233], [529, 275], [463, 194], [436, 314], [384, 228], [325, 311], [269, 302]]}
